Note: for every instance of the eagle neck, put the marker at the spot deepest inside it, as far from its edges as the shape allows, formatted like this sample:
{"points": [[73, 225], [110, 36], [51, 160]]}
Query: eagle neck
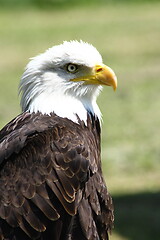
{"points": [[65, 106]]}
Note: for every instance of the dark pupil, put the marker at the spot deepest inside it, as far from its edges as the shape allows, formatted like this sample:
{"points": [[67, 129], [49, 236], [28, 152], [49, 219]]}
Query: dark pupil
{"points": [[72, 67]]}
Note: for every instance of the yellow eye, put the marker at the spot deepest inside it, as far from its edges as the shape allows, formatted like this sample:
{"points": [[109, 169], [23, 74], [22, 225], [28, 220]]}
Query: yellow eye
{"points": [[72, 68]]}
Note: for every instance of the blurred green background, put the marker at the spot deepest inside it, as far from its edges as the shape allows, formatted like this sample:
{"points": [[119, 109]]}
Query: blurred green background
{"points": [[127, 34]]}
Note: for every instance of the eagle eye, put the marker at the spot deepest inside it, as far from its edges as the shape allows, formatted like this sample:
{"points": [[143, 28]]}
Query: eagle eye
{"points": [[72, 68]]}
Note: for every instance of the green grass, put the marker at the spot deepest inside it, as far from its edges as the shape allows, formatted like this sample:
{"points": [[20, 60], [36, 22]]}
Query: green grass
{"points": [[128, 36]]}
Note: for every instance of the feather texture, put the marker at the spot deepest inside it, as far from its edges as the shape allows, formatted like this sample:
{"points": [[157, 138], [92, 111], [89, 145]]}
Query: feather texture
{"points": [[51, 184]]}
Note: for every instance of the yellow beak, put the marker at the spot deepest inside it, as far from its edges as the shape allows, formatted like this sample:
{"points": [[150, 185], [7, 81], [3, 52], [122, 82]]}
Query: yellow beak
{"points": [[102, 75]]}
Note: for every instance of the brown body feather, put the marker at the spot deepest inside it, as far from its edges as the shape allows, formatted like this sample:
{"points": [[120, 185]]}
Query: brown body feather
{"points": [[51, 184]]}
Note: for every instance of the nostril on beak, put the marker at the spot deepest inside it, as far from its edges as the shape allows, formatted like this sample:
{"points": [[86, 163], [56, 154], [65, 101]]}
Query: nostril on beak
{"points": [[99, 69]]}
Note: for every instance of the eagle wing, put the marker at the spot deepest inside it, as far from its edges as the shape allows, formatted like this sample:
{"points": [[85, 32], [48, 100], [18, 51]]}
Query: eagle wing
{"points": [[51, 186]]}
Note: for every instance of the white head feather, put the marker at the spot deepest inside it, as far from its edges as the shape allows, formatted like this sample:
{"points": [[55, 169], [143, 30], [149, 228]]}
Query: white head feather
{"points": [[46, 87]]}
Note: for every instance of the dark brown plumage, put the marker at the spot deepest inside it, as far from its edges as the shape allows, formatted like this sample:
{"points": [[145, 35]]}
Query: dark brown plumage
{"points": [[51, 183]]}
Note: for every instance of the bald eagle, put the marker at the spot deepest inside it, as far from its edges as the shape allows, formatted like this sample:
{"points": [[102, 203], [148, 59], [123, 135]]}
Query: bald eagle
{"points": [[51, 183]]}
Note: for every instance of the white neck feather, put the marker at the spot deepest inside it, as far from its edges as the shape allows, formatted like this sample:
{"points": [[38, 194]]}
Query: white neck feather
{"points": [[64, 106]]}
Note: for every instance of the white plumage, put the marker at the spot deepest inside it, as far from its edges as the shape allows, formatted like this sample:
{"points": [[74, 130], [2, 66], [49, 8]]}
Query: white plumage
{"points": [[47, 85]]}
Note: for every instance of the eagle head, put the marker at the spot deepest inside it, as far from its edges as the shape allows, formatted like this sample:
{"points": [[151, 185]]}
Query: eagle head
{"points": [[66, 80]]}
